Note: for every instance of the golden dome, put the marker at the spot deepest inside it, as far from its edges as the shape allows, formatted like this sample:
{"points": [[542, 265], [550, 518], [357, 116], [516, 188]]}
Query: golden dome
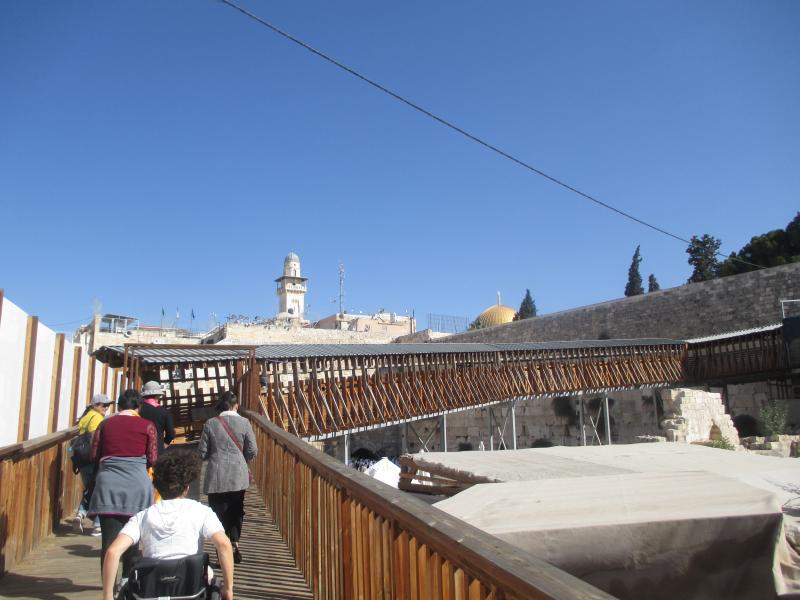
{"points": [[496, 315]]}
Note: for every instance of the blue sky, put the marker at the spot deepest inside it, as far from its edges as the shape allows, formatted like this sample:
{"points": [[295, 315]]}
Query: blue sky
{"points": [[170, 154]]}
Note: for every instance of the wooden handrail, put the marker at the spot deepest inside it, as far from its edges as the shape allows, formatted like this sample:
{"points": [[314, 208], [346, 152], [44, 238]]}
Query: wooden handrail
{"points": [[38, 489], [490, 563], [32, 446]]}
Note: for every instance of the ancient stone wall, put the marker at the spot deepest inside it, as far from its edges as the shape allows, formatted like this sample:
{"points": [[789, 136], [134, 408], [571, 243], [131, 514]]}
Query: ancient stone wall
{"points": [[693, 310], [289, 334], [681, 415], [692, 415]]}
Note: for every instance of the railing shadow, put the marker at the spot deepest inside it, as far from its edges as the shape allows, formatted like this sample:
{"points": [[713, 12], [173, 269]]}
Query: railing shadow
{"points": [[47, 588]]}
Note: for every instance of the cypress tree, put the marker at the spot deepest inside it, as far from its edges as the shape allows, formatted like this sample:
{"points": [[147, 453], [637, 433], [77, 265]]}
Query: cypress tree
{"points": [[634, 285], [527, 308], [652, 284]]}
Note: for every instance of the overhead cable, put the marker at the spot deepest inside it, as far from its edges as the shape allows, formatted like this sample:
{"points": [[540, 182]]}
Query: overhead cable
{"points": [[463, 132]]}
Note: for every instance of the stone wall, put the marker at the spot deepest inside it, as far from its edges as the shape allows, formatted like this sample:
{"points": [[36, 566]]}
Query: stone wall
{"points": [[693, 310], [692, 415], [750, 398], [233, 333], [683, 415]]}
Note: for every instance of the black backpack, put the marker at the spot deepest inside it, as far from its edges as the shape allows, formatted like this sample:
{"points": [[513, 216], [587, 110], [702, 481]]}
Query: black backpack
{"points": [[80, 450]]}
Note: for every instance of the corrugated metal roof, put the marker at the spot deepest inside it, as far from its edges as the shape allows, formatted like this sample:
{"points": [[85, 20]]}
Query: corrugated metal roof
{"points": [[156, 355], [566, 345], [733, 334], [288, 351], [281, 352]]}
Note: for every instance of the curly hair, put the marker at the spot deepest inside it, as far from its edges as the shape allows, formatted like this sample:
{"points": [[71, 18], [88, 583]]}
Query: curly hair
{"points": [[174, 471]]}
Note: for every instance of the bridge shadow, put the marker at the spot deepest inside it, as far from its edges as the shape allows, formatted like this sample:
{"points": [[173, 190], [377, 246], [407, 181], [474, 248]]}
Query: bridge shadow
{"points": [[268, 571], [15, 585], [82, 550]]}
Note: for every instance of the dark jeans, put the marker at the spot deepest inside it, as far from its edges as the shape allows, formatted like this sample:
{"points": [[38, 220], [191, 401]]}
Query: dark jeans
{"points": [[111, 525], [229, 508]]}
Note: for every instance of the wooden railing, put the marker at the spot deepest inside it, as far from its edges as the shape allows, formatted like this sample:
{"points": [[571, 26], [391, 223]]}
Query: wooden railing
{"points": [[737, 357], [353, 537], [37, 489]]}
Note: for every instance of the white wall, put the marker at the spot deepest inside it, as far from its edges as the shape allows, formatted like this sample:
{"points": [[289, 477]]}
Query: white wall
{"points": [[82, 400], [66, 386], [13, 321], [42, 381], [13, 325]]}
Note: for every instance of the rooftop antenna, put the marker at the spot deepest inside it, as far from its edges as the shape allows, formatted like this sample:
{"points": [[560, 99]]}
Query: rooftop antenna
{"points": [[341, 288]]}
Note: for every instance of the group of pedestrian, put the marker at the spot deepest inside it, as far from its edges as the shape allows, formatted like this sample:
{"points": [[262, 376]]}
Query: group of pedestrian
{"points": [[127, 448]]}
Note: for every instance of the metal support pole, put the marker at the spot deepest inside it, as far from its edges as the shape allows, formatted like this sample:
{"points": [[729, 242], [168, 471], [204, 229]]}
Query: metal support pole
{"points": [[608, 419], [491, 429], [583, 424], [443, 436], [347, 449], [514, 422]]}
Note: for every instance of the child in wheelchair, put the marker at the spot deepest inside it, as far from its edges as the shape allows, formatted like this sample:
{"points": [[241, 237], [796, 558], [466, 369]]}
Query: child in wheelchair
{"points": [[170, 534]]}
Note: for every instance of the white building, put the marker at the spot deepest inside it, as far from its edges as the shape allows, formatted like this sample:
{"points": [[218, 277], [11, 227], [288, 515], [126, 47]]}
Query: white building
{"points": [[291, 290]]}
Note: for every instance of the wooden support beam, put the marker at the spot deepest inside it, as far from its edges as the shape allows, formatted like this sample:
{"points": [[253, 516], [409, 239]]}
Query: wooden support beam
{"points": [[26, 391], [55, 384]]}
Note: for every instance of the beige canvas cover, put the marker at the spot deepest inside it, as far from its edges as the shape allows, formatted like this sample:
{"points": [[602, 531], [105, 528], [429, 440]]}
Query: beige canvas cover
{"points": [[687, 535], [778, 476]]}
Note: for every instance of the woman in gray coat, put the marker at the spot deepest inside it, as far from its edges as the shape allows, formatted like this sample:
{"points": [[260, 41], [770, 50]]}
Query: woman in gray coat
{"points": [[227, 443]]}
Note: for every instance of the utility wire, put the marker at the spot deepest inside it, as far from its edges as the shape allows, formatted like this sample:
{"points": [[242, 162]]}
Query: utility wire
{"points": [[70, 322], [463, 132]]}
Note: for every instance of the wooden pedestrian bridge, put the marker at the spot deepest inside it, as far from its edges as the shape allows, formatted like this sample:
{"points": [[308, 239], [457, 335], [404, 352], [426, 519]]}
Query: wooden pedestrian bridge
{"points": [[319, 528]]}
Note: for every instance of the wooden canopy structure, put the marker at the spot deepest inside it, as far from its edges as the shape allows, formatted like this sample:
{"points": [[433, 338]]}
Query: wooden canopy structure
{"points": [[318, 391]]}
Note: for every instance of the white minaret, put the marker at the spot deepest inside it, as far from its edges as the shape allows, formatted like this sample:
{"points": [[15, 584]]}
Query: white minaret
{"points": [[291, 289]]}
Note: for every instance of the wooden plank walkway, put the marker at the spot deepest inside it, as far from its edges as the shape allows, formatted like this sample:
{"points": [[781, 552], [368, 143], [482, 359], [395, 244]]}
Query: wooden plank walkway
{"points": [[67, 565]]}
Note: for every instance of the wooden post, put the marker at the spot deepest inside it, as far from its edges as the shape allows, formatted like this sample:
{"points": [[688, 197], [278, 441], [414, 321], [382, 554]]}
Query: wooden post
{"points": [[104, 380], [55, 383], [90, 380], [26, 392]]}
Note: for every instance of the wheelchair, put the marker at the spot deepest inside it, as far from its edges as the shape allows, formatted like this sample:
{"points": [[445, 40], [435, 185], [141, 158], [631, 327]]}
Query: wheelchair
{"points": [[184, 578]]}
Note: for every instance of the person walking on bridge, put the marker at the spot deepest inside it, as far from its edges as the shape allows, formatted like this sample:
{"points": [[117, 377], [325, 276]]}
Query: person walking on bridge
{"points": [[228, 443], [123, 447], [153, 411], [89, 422]]}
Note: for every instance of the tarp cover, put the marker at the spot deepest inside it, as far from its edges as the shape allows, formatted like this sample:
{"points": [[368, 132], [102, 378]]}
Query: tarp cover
{"points": [[386, 471], [689, 535], [583, 470]]}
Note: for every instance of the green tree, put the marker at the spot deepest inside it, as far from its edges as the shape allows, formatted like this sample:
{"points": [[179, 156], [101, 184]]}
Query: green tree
{"points": [[774, 415], [634, 285], [771, 249], [652, 284], [476, 324], [527, 308], [703, 257]]}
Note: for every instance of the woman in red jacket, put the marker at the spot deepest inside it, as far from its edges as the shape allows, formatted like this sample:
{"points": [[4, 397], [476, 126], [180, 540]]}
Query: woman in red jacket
{"points": [[123, 447]]}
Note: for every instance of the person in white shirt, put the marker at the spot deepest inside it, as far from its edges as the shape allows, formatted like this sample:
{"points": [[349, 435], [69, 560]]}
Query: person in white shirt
{"points": [[174, 527]]}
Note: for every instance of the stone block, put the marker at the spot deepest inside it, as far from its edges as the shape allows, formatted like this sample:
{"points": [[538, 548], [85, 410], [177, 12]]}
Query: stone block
{"points": [[674, 435]]}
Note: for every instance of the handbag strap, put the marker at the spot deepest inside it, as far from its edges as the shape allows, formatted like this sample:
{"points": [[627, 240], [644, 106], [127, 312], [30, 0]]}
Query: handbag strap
{"points": [[229, 431]]}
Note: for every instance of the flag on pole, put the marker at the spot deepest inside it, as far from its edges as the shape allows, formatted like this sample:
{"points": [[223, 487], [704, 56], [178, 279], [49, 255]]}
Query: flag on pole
{"points": [[193, 314], [162, 311], [177, 313]]}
